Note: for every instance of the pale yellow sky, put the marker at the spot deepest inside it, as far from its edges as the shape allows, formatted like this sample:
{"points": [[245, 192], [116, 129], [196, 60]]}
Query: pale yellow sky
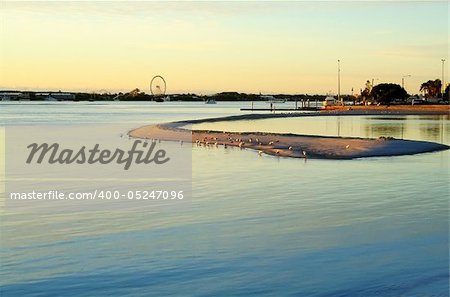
{"points": [[208, 47]]}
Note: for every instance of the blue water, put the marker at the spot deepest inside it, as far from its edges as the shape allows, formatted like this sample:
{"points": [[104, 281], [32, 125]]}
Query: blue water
{"points": [[261, 226]]}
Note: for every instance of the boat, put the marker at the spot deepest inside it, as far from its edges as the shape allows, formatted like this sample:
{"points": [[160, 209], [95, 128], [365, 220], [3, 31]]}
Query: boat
{"points": [[161, 99], [330, 101], [271, 99], [50, 98], [277, 101], [210, 101]]}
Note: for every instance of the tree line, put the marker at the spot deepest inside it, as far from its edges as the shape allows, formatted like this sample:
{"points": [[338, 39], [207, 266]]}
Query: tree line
{"points": [[386, 93]]}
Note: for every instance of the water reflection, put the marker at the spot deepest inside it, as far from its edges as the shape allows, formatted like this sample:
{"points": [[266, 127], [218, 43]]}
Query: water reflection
{"points": [[429, 128], [374, 130]]}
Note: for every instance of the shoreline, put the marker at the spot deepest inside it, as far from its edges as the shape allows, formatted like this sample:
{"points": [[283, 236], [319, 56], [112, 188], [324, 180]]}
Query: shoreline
{"points": [[336, 111], [293, 145]]}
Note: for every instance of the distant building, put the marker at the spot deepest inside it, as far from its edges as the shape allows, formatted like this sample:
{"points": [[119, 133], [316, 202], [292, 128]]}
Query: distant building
{"points": [[59, 96], [15, 95], [8, 96]]}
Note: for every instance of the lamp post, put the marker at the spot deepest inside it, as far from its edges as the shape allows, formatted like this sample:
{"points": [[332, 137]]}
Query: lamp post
{"points": [[339, 81], [373, 80], [403, 81], [443, 82]]}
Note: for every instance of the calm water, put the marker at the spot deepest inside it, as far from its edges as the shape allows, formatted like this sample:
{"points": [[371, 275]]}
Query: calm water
{"points": [[259, 226]]}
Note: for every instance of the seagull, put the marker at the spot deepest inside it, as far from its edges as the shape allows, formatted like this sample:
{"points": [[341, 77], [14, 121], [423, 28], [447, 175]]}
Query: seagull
{"points": [[347, 146], [290, 148], [270, 143]]}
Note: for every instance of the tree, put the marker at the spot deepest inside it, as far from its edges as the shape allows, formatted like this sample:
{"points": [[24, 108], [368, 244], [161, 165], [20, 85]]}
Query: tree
{"points": [[366, 93], [386, 93], [446, 93], [432, 88]]}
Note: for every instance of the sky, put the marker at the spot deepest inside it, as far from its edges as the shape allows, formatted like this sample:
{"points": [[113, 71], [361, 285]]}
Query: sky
{"points": [[211, 46]]}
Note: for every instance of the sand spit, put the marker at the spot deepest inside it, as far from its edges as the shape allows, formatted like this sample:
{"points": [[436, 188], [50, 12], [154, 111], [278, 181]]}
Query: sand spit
{"points": [[286, 145]]}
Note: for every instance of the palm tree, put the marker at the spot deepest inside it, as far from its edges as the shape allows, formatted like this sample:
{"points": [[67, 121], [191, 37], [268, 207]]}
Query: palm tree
{"points": [[431, 88]]}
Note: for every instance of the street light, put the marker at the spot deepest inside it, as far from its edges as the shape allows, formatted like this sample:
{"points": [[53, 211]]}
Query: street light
{"points": [[403, 80], [443, 82], [339, 81]]}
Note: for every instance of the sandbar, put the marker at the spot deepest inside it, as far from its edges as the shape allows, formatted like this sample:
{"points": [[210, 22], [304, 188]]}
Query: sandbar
{"points": [[290, 145]]}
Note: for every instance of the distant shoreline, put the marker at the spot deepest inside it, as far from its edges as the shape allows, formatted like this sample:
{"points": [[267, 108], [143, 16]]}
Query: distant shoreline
{"points": [[396, 109], [338, 111], [293, 145]]}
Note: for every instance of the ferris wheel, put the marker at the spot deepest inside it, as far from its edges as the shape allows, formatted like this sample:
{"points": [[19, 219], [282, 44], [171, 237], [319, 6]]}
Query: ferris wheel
{"points": [[158, 86]]}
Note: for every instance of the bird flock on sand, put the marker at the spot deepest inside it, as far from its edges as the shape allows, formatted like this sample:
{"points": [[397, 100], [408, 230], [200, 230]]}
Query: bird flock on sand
{"points": [[252, 143], [213, 141], [265, 144], [271, 147]]}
